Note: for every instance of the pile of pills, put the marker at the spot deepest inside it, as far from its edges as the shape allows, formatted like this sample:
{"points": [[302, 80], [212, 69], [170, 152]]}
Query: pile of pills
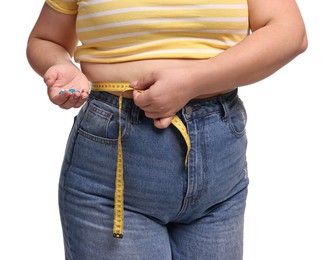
{"points": [[71, 90]]}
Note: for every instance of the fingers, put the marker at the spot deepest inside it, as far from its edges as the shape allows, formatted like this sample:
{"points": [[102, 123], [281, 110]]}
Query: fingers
{"points": [[163, 122], [62, 81], [149, 102], [161, 118], [144, 102], [142, 90], [67, 98], [142, 99]]}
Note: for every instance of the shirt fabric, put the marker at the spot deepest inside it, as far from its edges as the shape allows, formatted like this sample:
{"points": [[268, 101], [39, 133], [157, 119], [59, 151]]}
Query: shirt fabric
{"points": [[113, 31]]}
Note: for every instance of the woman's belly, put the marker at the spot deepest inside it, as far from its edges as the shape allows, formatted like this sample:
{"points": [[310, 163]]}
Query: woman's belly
{"points": [[130, 71]]}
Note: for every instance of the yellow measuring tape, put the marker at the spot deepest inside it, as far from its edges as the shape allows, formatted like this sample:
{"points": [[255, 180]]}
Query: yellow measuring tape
{"points": [[119, 182]]}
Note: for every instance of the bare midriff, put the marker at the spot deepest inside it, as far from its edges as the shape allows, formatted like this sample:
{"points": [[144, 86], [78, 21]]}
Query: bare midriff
{"points": [[130, 71]]}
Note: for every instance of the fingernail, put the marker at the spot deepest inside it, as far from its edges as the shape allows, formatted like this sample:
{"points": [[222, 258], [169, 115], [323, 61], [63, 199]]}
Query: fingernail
{"points": [[72, 90], [62, 91]]}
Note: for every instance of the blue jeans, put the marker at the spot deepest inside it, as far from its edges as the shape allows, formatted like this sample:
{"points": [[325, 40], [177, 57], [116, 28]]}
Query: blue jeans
{"points": [[171, 211]]}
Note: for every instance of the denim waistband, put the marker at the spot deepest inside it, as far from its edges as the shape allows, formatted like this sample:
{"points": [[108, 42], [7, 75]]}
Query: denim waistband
{"points": [[202, 107], [193, 109]]}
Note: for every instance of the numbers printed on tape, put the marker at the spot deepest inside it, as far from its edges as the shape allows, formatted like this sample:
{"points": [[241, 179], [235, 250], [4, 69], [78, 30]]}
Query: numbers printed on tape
{"points": [[119, 182]]}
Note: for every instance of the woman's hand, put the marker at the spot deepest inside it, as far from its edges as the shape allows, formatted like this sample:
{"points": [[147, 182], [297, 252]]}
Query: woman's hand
{"points": [[67, 86], [165, 93]]}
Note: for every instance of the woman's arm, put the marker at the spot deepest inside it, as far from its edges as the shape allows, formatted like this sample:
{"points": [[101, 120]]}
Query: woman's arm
{"points": [[52, 40], [278, 35], [49, 51]]}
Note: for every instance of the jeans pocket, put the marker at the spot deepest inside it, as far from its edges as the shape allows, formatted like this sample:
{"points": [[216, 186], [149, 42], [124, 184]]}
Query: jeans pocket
{"points": [[236, 116], [101, 122]]}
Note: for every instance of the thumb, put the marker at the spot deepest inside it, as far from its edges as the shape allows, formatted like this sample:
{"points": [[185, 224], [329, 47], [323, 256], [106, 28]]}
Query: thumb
{"points": [[49, 77], [144, 83]]}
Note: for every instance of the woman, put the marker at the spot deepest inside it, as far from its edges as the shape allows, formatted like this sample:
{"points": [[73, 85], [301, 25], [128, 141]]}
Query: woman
{"points": [[185, 190]]}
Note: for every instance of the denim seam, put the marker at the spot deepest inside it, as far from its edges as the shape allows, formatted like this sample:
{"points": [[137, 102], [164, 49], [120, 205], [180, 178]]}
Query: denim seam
{"points": [[95, 138], [227, 107]]}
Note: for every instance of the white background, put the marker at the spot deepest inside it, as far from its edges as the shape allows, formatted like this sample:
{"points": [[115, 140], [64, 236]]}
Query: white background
{"points": [[288, 212]]}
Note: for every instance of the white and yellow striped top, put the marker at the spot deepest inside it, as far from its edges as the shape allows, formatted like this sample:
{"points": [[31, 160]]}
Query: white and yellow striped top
{"points": [[126, 30]]}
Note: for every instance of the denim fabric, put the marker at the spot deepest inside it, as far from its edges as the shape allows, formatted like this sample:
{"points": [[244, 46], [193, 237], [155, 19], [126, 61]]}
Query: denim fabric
{"points": [[171, 211]]}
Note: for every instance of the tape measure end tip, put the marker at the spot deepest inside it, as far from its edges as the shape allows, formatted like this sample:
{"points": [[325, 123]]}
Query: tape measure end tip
{"points": [[117, 235]]}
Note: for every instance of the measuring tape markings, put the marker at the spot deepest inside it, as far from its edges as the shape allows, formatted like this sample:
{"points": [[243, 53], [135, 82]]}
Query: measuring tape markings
{"points": [[119, 182]]}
